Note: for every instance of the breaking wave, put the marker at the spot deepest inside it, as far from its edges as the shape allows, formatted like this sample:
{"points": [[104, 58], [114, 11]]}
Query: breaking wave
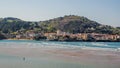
{"points": [[55, 44]]}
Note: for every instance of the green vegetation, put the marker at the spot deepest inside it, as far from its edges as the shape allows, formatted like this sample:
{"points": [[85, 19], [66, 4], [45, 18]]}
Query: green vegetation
{"points": [[71, 23], [77, 24], [2, 36], [9, 25]]}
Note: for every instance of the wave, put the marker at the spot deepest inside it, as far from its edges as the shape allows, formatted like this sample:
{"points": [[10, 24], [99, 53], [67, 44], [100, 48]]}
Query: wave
{"points": [[52, 44], [99, 44]]}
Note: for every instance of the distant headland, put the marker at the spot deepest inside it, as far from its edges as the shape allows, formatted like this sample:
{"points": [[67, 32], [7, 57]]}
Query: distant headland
{"points": [[67, 28]]}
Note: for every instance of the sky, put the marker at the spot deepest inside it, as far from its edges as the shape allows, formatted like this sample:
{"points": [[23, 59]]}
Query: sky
{"points": [[103, 11]]}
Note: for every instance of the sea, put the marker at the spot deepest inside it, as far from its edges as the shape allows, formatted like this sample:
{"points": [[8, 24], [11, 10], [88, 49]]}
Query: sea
{"points": [[13, 61], [58, 44]]}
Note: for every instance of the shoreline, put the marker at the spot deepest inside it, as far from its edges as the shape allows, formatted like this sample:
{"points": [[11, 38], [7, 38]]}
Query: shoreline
{"points": [[64, 41], [69, 56], [17, 39]]}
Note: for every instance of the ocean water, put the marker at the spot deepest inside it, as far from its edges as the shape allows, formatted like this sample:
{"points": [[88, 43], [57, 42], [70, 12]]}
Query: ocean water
{"points": [[12, 61], [56, 44]]}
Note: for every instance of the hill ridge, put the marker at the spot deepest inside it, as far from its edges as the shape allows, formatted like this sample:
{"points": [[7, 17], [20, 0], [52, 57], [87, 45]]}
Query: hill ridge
{"points": [[67, 23]]}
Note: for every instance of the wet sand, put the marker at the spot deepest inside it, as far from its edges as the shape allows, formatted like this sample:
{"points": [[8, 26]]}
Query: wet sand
{"points": [[89, 58]]}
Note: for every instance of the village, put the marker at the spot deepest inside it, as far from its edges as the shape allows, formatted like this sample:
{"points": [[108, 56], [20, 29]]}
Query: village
{"points": [[64, 36]]}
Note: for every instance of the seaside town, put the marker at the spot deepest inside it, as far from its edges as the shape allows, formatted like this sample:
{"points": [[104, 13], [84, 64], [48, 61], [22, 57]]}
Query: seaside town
{"points": [[67, 28], [63, 36]]}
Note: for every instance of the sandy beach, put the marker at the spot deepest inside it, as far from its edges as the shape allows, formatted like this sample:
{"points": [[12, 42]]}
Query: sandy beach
{"points": [[85, 57]]}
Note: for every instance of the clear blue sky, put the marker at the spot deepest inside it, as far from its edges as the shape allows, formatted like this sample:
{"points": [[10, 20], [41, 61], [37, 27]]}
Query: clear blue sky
{"points": [[102, 11]]}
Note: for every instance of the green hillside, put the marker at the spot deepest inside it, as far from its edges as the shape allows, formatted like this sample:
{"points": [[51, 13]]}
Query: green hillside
{"points": [[77, 24], [70, 23], [8, 25]]}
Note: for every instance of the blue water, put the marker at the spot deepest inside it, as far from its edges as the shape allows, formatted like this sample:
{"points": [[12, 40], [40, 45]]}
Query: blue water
{"points": [[33, 43]]}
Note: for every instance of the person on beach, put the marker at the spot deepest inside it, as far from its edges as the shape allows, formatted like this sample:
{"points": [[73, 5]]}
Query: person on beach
{"points": [[23, 58]]}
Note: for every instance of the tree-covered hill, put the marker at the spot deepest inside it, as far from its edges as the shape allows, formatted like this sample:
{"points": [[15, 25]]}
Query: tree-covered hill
{"points": [[77, 24], [70, 23], [8, 25]]}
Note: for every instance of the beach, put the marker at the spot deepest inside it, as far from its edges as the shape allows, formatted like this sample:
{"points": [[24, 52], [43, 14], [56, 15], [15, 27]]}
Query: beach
{"points": [[25, 56]]}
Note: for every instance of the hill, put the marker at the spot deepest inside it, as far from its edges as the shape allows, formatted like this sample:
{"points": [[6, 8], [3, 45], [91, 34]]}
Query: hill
{"points": [[77, 24], [70, 23], [9, 25]]}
